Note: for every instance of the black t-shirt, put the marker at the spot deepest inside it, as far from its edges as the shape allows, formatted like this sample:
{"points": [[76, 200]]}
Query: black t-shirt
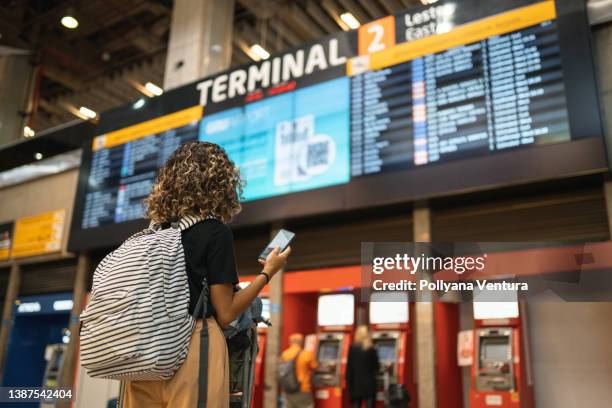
{"points": [[209, 253]]}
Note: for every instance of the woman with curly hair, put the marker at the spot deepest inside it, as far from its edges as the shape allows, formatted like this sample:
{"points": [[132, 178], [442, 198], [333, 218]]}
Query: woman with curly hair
{"points": [[200, 180]]}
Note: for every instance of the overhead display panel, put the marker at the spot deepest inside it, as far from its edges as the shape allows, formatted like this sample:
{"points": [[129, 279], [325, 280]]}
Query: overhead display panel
{"points": [[124, 165], [433, 101], [495, 84], [287, 143]]}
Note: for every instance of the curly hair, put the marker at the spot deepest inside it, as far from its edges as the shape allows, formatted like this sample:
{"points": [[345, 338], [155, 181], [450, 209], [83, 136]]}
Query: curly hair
{"points": [[197, 179]]}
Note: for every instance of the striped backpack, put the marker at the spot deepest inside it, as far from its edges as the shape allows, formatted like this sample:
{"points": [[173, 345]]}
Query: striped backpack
{"points": [[136, 325]]}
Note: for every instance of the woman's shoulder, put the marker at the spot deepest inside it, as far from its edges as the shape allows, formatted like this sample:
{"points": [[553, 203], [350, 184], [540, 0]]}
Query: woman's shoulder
{"points": [[208, 228]]}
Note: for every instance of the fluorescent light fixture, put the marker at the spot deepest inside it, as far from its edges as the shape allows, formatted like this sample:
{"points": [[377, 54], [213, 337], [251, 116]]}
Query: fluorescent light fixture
{"points": [[63, 305], [87, 112], [427, 2], [260, 51], [28, 307], [350, 20], [38, 156], [139, 103], [69, 21], [28, 131], [154, 89]]}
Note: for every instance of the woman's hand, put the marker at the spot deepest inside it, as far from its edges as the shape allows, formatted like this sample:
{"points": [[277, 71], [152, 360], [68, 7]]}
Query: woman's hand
{"points": [[229, 304], [275, 261]]}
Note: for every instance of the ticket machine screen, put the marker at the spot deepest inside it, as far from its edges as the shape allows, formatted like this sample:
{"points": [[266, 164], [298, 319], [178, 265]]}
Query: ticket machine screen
{"points": [[328, 351], [495, 349], [386, 351]]}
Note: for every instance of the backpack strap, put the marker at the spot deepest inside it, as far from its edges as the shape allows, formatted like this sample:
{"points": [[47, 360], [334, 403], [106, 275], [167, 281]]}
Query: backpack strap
{"points": [[189, 220], [202, 304]]}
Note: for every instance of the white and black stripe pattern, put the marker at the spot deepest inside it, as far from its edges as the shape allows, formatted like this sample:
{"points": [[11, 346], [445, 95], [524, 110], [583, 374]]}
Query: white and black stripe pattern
{"points": [[137, 325]]}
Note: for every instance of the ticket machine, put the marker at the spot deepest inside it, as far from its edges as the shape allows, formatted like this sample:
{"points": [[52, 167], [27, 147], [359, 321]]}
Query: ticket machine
{"points": [[335, 326], [262, 334], [501, 376], [392, 338]]}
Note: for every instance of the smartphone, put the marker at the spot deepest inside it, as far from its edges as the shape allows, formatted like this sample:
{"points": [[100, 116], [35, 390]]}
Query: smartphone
{"points": [[282, 240]]}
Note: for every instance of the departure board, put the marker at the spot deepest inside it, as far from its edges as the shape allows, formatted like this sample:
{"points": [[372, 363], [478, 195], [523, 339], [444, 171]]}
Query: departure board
{"points": [[124, 165], [499, 93], [436, 100]]}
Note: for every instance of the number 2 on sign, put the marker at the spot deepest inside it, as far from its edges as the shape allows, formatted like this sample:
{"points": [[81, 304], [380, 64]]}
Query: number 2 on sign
{"points": [[377, 35]]}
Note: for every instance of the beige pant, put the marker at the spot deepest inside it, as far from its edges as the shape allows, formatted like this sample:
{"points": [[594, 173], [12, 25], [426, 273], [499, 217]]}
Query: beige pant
{"points": [[181, 391]]}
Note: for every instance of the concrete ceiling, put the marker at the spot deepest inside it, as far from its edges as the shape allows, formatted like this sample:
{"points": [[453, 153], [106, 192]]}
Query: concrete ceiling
{"points": [[121, 44]]}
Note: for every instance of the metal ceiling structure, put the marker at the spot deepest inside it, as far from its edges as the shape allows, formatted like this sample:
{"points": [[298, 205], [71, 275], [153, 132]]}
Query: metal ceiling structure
{"points": [[120, 45]]}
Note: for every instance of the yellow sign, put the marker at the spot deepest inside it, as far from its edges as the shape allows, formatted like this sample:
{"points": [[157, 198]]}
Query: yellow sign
{"points": [[5, 243], [39, 234], [465, 34], [148, 128]]}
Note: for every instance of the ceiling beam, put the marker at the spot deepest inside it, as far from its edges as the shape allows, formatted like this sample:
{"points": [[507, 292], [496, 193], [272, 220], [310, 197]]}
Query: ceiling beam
{"points": [[301, 23], [259, 8], [51, 107], [289, 36], [334, 12], [320, 17], [373, 10], [392, 6], [61, 76], [358, 11]]}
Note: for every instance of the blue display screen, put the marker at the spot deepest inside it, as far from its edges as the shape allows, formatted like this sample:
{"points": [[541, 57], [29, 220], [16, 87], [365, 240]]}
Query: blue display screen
{"points": [[287, 143]]}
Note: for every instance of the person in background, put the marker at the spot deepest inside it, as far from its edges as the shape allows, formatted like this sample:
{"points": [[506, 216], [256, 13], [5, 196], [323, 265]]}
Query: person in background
{"points": [[361, 369], [305, 364]]}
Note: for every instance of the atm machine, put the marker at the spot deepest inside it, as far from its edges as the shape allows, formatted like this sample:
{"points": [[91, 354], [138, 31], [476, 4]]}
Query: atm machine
{"points": [[392, 338], [501, 373], [335, 326], [262, 334], [54, 356]]}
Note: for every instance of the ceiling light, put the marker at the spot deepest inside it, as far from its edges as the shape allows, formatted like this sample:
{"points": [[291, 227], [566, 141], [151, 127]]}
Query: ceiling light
{"points": [[260, 51], [38, 156], [69, 21], [28, 131], [139, 103], [154, 89], [426, 2], [87, 112], [350, 20]]}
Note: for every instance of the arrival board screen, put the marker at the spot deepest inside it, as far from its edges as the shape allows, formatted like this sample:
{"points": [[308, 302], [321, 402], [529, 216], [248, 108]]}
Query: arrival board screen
{"points": [[436, 100]]}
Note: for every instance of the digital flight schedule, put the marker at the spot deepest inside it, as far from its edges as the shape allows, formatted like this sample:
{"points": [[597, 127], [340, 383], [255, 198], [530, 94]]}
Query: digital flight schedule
{"points": [[499, 93], [124, 165]]}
